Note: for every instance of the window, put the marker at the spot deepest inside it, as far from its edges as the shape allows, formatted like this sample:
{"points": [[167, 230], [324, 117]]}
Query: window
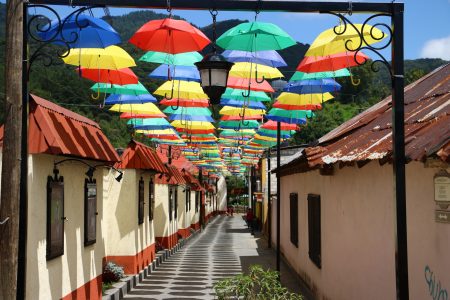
{"points": [[141, 202], [151, 199], [314, 229], [196, 201], [170, 202], [90, 211], [176, 202], [188, 199], [55, 216], [293, 197]]}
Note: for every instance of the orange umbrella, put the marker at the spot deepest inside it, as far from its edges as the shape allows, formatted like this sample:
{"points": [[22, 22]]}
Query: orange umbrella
{"points": [[185, 102], [312, 64], [243, 83], [120, 76], [297, 107], [272, 125]]}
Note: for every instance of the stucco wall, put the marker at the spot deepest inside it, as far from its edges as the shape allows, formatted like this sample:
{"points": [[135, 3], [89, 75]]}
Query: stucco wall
{"points": [[164, 229], [357, 219], [60, 276]]}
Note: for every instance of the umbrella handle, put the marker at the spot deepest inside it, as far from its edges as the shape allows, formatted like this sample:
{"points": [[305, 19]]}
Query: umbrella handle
{"points": [[256, 77], [247, 93], [96, 97], [245, 123], [355, 81], [169, 98]]}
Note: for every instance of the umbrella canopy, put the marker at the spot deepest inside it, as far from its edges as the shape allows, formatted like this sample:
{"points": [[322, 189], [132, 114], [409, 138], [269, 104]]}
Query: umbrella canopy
{"points": [[185, 102], [128, 89], [255, 36], [112, 57], [193, 125], [328, 42], [249, 70], [181, 89], [238, 94], [170, 36], [146, 108], [166, 72], [250, 124], [80, 31], [129, 99], [269, 58], [121, 76], [333, 62], [289, 116], [313, 86], [158, 132], [272, 125], [195, 111], [190, 118], [297, 107], [128, 115], [303, 99], [319, 75], [245, 83], [236, 103], [180, 59], [150, 124], [237, 118], [233, 111]]}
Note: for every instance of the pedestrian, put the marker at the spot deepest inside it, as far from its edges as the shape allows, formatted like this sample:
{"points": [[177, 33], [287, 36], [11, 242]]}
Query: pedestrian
{"points": [[249, 219]]}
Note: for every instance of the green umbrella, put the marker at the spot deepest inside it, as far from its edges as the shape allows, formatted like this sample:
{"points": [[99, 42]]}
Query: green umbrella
{"points": [[249, 124], [255, 36], [319, 75], [181, 59], [294, 114], [191, 111], [237, 94], [127, 89]]}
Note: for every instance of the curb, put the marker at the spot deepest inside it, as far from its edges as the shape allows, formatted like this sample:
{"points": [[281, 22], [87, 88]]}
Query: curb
{"points": [[122, 287]]}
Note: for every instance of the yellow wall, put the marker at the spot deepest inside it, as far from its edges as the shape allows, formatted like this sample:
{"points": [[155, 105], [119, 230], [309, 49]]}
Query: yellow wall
{"points": [[182, 219], [222, 194], [58, 277], [161, 216]]}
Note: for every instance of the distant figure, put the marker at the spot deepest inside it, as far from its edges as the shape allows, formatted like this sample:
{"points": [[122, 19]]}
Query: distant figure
{"points": [[249, 219], [232, 210]]}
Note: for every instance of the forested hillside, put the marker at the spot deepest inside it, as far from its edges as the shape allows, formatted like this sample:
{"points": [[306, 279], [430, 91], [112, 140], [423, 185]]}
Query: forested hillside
{"points": [[61, 84]]}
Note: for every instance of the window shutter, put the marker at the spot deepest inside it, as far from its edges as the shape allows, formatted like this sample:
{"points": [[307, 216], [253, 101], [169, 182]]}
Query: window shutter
{"points": [[314, 230], [293, 197], [141, 202]]}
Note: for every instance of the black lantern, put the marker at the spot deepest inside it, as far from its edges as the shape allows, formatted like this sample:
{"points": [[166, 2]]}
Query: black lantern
{"points": [[214, 69]]}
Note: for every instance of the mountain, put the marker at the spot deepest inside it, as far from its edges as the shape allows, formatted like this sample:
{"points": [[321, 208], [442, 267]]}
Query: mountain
{"points": [[61, 84]]}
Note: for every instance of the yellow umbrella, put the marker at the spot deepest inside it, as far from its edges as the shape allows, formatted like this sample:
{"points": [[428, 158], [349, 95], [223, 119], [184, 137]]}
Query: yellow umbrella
{"points": [[248, 70], [145, 108], [265, 138], [157, 132], [192, 124], [303, 99], [328, 42], [236, 111], [181, 89], [112, 57]]}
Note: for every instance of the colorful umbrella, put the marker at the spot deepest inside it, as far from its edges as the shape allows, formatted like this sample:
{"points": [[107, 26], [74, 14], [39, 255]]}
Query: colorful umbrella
{"points": [[289, 116], [121, 76], [169, 36], [303, 99], [150, 124], [192, 125], [245, 95], [233, 111], [128, 89], [236, 103], [181, 89], [245, 83], [319, 75], [80, 31], [112, 57], [255, 36], [198, 111], [312, 86], [166, 72], [333, 62], [146, 108], [269, 58], [272, 125], [185, 102], [128, 115], [249, 70], [129, 99], [190, 118], [180, 59], [237, 118]]}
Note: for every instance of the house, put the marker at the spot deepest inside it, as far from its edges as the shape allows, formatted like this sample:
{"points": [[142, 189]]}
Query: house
{"points": [[338, 206]]}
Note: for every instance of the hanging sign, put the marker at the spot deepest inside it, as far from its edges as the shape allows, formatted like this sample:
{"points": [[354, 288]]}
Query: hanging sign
{"points": [[442, 189], [442, 216]]}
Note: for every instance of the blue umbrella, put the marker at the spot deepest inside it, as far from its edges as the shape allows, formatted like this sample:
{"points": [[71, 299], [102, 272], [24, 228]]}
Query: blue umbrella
{"points": [[237, 103], [150, 124], [129, 99], [187, 73], [312, 86], [94, 32], [268, 57], [287, 119], [191, 118], [274, 135]]}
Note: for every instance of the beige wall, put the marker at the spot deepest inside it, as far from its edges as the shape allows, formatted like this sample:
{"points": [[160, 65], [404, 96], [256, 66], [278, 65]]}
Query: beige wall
{"points": [[357, 219], [222, 194], [58, 277], [182, 219], [123, 234], [194, 215], [161, 216]]}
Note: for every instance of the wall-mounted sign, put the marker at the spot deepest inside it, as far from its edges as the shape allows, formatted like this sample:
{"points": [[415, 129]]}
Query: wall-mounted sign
{"points": [[442, 189], [442, 216]]}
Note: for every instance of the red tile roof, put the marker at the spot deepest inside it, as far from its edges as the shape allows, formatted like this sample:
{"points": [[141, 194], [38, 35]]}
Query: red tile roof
{"points": [[180, 161], [192, 181], [59, 131], [368, 136], [175, 176], [140, 156]]}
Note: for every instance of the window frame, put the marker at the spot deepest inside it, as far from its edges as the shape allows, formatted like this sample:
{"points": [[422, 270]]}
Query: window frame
{"points": [[293, 218], [314, 229], [90, 212], [151, 199], [170, 202], [175, 215], [55, 183], [141, 202]]}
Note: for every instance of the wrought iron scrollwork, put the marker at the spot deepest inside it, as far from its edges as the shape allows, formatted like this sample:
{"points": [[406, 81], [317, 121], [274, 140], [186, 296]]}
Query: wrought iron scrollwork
{"points": [[362, 43]]}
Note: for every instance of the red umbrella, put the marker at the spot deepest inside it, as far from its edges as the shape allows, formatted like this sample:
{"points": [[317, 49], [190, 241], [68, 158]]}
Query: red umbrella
{"points": [[163, 136], [186, 102], [141, 116], [297, 107], [194, 131], [272, 125], [242, 83], [120, 76], [239, 118], [169, 36], [312, 64]]}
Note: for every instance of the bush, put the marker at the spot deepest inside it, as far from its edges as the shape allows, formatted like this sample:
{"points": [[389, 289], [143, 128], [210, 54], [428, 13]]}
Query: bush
{"points": [[258, 284], [112, 272]]}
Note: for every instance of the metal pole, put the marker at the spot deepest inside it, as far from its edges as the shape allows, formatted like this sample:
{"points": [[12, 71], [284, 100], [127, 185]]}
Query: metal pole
{"points": [[278, 198], [398, 138], [269, 204]]}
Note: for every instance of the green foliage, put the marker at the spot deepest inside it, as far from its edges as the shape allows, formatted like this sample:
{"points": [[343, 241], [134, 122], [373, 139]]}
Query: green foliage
{"points": [[112, 272], [258, 284]]}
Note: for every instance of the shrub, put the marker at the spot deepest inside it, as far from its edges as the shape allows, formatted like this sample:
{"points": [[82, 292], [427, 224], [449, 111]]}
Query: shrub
{"points": [[112, 272], [258, 284]]}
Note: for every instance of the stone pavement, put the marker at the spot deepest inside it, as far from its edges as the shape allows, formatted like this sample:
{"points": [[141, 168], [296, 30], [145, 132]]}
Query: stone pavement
{"points": [[224, 249]]}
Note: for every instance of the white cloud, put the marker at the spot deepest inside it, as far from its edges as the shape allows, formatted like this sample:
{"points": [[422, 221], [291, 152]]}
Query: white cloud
{"points": [[437, 48]]}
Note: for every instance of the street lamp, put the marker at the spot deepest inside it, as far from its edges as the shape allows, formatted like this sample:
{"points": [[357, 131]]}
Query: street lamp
{"points": [[214, 69]]}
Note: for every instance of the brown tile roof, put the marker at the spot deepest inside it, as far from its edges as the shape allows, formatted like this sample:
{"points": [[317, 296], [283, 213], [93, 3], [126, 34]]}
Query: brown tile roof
{"points": [[140, 156], [368, 136]]}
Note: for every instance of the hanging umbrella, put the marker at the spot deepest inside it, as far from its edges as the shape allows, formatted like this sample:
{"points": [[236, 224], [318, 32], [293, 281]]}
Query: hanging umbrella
{"points": [[193, 125], [181, 89], [180, 59], [297, 107], [121, 76], [333, 62], [170, 36], [191, 118], [233, 111], [129, 115], [312, 86], [249, 70], [128, 89], [236, 103], [237, 118], [272, 125], [289, 116], [129, 99], [80, 31], [250, 124], [166, 72], [255, 36], [319, 75], [146, 108], [150, 124], [185, 102], [303, 99], [158, 132], [269, 58], [245, 83], [198, 111], [245, 95], [188, 130], [351, 38], [112, 57]]}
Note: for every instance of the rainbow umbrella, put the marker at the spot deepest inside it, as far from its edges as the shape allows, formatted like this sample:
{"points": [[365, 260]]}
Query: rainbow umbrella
{"points": [[233, 111], [236, 103], [193, 111], [289, 116], [180, 59], [193, 125], [150, 124], [245, 95]]}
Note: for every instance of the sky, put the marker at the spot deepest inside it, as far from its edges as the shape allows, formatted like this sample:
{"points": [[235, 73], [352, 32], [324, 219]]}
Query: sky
{"points": [[427, 24]]}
